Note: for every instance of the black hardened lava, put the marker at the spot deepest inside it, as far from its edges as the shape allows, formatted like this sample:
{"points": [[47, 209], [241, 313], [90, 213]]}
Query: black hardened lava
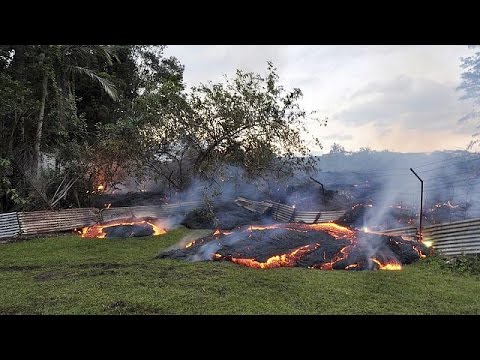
{"points": [[304, 246]]}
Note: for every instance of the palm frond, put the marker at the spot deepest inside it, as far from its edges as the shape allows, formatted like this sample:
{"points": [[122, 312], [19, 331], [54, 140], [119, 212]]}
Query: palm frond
{"points": [[107, 86], [108, 53]]}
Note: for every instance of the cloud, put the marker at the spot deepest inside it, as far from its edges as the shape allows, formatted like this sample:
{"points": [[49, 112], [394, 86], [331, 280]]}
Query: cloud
{"points": [[205, 63], [373, 95], [338, 137], [410, 103]]}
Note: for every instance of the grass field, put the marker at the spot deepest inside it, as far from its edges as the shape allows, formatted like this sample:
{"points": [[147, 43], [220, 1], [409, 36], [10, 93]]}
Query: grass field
{"points": [[71, 275]]}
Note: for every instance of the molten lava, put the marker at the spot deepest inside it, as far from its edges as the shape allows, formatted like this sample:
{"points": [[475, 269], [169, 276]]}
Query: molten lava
{"points": [[391, 265], [284, 260], [341, 255], [325, 246], [100, 230]]}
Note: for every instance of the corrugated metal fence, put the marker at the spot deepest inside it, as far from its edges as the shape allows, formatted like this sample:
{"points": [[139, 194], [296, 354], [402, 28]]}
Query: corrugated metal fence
{"points": [[285, 213], [149, 211], [456, 237], [9, 226], [450, 239], [44, 222]]}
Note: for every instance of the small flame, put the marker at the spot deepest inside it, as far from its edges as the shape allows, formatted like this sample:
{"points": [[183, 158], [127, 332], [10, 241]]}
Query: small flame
{"points": [[100, 187], [219, 232], [365, 229], [427, 243], [391, 265], [217, 257]]}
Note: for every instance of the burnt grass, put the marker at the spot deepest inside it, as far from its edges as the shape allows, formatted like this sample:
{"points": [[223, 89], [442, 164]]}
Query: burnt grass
{"points": [[261, 245]]}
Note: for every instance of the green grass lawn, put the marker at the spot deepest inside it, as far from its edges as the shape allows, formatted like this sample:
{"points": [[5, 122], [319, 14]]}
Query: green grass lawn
{"points": [[71, 275]]}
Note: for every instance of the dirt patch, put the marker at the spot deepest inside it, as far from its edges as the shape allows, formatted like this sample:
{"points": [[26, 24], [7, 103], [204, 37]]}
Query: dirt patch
{"points": [[11, 310], [121, 307], [81, 270], [19, 268], [105, 266], [49, 275], [117, 305]]}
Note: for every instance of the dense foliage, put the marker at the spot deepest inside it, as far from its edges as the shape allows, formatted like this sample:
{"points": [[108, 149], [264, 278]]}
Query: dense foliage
{"points": [[77, 119]]}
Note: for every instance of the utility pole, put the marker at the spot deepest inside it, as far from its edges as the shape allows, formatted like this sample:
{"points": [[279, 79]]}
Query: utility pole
{"points": [[421, 201]]}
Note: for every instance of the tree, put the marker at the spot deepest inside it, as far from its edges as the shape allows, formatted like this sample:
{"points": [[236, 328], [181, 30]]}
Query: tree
{"points": [[147, 126], [365, 149], [470, 77], [470, 85], [250, 122], [337, 149]]}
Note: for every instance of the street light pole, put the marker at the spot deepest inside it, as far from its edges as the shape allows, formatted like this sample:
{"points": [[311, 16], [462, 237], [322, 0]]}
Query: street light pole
{"points": [[421, 201]]}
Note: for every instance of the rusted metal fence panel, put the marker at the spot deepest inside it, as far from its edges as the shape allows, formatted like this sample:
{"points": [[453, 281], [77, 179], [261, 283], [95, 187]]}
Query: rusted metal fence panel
{"points": [[161, 211], [43, 222], [285, 213]]}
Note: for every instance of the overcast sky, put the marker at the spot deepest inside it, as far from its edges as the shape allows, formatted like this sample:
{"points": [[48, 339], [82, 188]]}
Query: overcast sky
{"points": [[400, 98]]}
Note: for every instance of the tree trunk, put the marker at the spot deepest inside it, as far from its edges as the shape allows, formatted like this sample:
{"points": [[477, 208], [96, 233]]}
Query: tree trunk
{"points": [[12, 135], [22, 130], [38, 135], [75, 194]]}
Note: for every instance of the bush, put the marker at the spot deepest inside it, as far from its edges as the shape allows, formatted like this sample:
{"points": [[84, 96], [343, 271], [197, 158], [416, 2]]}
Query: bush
{"points": [[461, 264]]}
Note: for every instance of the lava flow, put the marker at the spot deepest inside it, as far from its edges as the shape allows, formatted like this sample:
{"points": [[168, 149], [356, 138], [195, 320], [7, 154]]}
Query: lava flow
{"points": [[324, 246], [284, 260], [333, 229], [392, 265], [124, 228]]}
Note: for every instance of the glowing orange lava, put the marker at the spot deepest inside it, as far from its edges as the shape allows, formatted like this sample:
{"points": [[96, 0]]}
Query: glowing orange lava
{"points": [[190, 244], [341, 255], [392, 265], [352, 266], [419, 252], [284, 260], [96, 231], [339, 260]]}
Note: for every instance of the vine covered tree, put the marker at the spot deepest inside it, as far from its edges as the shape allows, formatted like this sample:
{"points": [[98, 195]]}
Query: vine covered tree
{"points": [[249, 122]]}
